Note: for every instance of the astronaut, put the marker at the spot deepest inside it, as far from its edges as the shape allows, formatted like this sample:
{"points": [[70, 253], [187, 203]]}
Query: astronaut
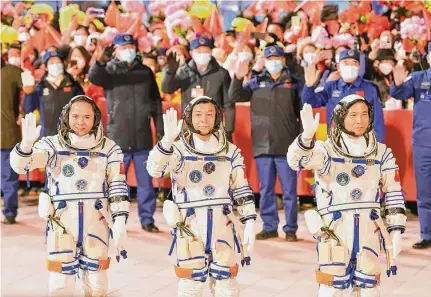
{"points": [[86, 198], [350, 166], [208, 176]]}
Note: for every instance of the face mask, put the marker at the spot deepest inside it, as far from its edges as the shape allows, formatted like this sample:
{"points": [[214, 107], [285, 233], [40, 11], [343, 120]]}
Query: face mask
{"points": [[259, 17], [385, 68], [23, 36], [55, 69], [202, 59], [245, 56], [273, 66], [80, 40], [127, 55], [14, 61], [349, 73], [309, 58]]}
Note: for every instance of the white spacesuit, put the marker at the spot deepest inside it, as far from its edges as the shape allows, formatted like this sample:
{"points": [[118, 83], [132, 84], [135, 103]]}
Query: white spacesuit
{"points": [[347, 224], [207, 178], [86, 199]]}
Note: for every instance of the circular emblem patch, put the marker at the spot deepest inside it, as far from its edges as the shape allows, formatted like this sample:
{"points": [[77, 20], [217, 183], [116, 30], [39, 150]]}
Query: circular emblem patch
{"points": [[81, 184], [343, 179], [82, 162], [358, 171], [68, 170], [356, 194], [195, 176], [209, 190], [209, 167]]}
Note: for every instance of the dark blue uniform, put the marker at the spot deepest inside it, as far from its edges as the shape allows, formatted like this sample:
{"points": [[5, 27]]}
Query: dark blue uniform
{"points": [[418, 85], [332, 92], [275, 107]]}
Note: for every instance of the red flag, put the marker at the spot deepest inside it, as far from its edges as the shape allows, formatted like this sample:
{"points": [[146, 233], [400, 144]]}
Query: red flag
{"points": [[213, 24]]}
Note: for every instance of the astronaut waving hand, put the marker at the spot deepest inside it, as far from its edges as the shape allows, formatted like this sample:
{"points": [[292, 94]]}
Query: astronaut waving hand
{"points": [[208, 176], [86, 195], [350, 167]]}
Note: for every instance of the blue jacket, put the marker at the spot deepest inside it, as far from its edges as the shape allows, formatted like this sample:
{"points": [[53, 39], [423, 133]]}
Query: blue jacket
{"points": [[332, 92], [417, 85]]}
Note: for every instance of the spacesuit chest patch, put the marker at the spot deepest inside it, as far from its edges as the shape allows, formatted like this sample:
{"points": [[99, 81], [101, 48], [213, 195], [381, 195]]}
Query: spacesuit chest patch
{"points": [[209, 167], [81, 184], [68, 170], [209, 190], [356, 194], [343, 179], [82, 162], [195, 176]]}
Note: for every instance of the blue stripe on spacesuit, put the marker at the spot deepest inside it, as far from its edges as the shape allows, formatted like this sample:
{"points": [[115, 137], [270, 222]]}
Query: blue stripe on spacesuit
{"points": [[97, 237], [117, 150], [371, 250], [224, 241], [209, 230], [355, 161], [392, 168], [82, 154], [209, 158], [80, 222]]}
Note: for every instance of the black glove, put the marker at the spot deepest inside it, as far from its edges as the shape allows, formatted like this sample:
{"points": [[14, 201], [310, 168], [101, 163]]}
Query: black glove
{"points": [[172, 63], [106, 54]]}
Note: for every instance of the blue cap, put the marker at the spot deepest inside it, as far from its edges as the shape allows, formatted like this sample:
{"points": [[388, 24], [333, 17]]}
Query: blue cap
{"points": [[161, 51], [349, 54], [123, 39], [201, 41], [273, 50], [50, 54]]}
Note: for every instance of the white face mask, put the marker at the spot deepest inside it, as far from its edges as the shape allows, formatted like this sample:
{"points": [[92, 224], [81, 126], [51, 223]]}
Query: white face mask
{"points": [[23, 36], [56, 69], [273, 66], [309, 58], [245, 56], [349, 73], [202, 59], [127, 55], [80, 40], [385, 68], [14, 61]]}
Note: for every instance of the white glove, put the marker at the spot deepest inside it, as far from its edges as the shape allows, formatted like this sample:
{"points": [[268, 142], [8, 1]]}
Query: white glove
{"points": [[249, 236], [119, 233], [27, 79], [309, 122], [30, 133], [172, 128], [396, 243]]}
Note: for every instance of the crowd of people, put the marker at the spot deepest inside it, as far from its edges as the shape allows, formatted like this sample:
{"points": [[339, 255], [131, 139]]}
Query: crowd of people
{"points": [[277, 54]]}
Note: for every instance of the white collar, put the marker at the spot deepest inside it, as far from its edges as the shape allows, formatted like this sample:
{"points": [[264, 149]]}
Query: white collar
{"points": [[207, 147], [355, 146], [82, 142]]}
